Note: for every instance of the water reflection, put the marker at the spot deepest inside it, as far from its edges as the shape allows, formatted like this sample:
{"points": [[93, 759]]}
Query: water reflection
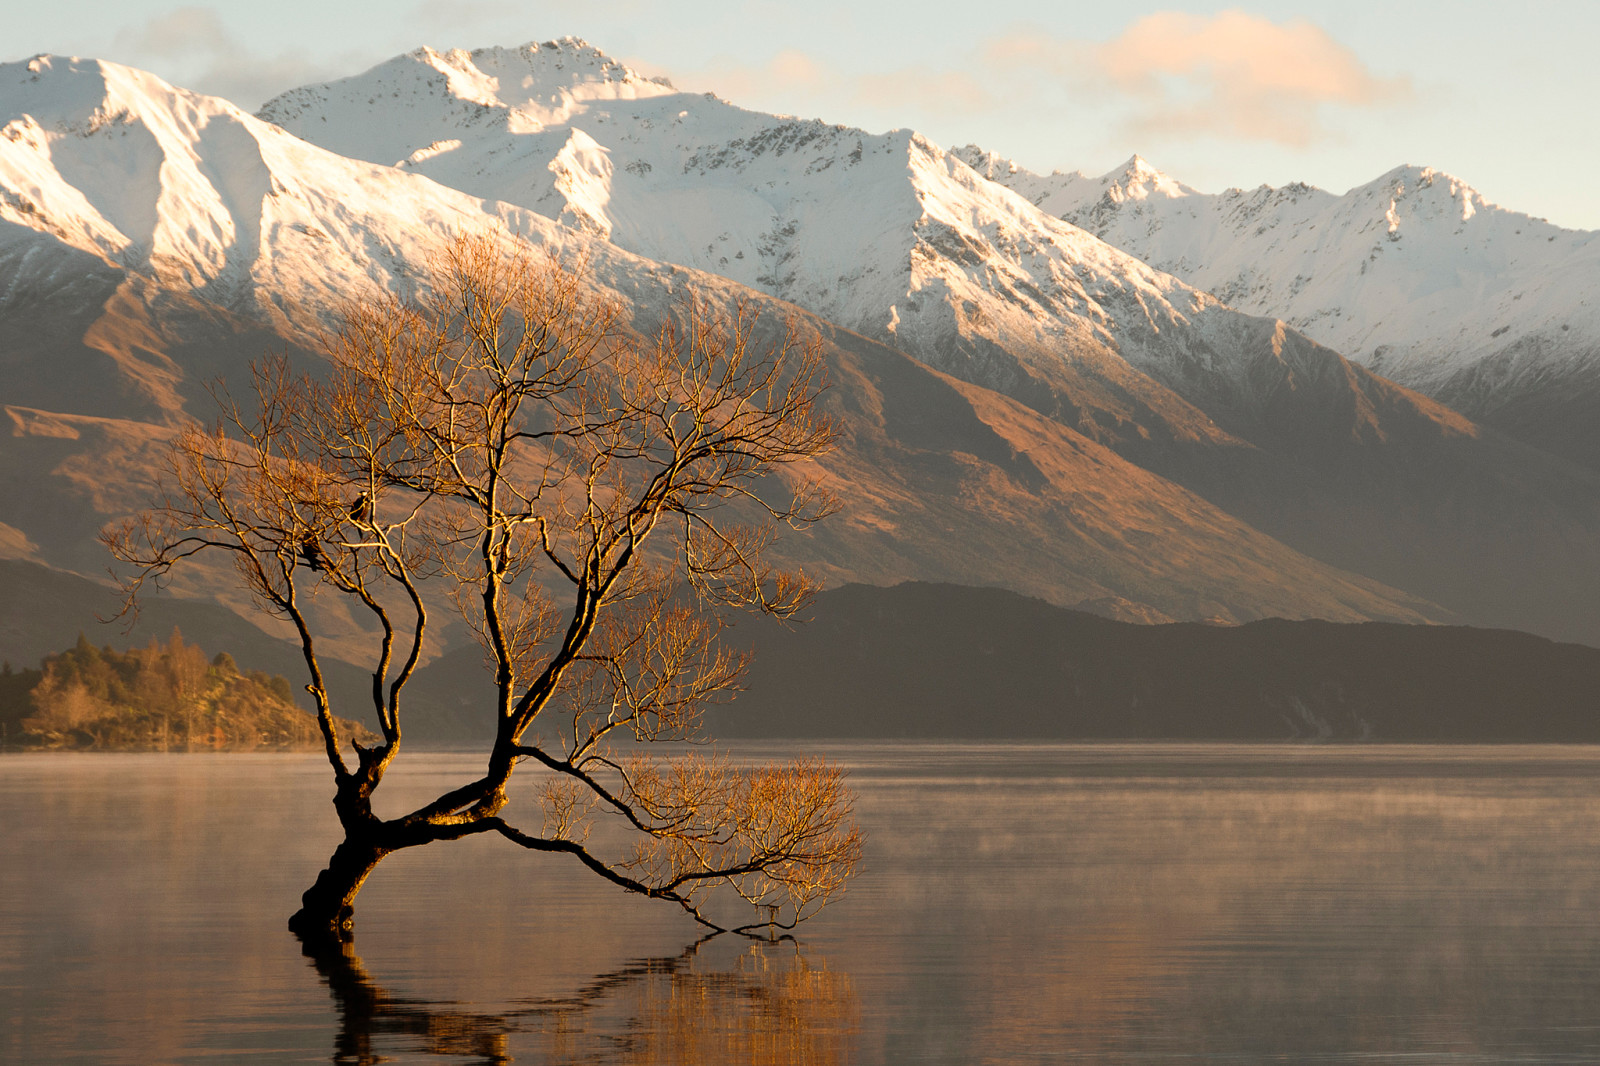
{"points": [[1143, 904], [770, 1004], [368, 1015]]}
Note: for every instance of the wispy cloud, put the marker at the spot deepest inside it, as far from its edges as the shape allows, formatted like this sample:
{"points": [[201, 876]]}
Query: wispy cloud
{"points": [[786, 75], [793, 80], [1167, 76], [193, 47], [433, 16], [1232, 75], [950, 92]]}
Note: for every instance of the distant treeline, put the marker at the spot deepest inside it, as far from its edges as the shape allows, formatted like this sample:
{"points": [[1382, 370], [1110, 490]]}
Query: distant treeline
{"points": [[165, 697]]}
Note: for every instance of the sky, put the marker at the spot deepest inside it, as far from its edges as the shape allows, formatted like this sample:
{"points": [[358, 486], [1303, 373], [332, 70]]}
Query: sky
{"points": [[1505, 97]]}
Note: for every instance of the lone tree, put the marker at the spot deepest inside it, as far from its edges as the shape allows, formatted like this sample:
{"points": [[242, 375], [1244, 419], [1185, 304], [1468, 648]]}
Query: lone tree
{"points": [[497, 438]]}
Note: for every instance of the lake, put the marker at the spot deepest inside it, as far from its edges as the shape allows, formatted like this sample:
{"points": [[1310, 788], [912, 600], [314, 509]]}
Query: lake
{"points": [[1017, 904]]}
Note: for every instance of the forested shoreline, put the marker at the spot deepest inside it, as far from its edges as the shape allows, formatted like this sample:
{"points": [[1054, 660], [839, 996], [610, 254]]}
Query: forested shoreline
{"points": [[163, 697]]}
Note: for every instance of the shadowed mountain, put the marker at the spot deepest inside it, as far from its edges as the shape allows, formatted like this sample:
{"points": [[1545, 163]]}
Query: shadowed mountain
{"points": [[943, 661], [230, 236], [904, 242]]}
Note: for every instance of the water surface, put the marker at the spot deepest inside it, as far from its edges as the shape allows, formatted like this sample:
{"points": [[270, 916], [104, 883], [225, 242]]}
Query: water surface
{"points": [[1017, 904]]}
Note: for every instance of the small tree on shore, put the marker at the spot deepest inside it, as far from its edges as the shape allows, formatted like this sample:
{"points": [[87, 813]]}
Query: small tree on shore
{"points": [[498, 437]]}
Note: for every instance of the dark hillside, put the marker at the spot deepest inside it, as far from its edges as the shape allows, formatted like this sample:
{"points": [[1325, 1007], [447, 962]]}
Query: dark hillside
{"points": [[925, 660]]}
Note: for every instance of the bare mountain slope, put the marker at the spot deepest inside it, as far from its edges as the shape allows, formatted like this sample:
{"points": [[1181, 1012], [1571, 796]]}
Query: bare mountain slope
{"points": [[224, 234], [892, 237]]}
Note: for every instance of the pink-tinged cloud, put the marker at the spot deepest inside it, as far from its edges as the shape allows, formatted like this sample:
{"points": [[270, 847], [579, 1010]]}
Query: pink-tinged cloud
{"points": [[786, 76], [1232, 75]]}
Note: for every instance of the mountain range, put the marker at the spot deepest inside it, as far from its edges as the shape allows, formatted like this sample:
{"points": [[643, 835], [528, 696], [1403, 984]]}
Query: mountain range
{"points": [[1027, 396], [1414, 275]]}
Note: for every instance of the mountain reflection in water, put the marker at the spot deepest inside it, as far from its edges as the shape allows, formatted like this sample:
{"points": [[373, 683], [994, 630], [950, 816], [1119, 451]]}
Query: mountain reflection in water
{"points": [[1017, 904]]}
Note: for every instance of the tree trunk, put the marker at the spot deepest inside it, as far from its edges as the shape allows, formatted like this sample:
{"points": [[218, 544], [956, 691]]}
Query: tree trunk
{"points": [[327, 908]]}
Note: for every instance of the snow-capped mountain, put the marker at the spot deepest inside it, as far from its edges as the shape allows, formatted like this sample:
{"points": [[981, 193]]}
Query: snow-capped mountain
{"points": [[1118, 436], [152, 238], [1415, 275], [895, 238], [1065, 195], [885, 234], [189, 191]]}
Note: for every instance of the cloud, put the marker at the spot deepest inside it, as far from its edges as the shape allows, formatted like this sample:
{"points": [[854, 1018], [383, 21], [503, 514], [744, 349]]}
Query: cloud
{"points": [[785, 75], [793, 80], [191, 47], [178, 34], [945, 92], [1233, 75], [454, 15], [1167, 76]]}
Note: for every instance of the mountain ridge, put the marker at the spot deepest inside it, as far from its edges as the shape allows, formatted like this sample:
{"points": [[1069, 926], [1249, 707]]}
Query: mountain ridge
{"points": [[1106, 432], [1414, 274], [934, 661], [946, 496]]}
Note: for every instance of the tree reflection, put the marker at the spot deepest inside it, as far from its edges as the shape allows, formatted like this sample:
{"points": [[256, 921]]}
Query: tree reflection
{"points": [[770, 1005]]}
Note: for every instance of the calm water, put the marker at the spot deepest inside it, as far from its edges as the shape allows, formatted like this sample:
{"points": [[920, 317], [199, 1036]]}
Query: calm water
{"points": [[1018, 904]]}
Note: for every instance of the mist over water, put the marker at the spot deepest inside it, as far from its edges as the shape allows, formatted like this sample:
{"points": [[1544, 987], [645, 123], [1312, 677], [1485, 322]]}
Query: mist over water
{"points": [[1017, 904]]}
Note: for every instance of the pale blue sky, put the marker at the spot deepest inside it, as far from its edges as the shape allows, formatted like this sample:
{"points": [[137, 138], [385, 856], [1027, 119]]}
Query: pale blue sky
{"points": [[1216, 95]]}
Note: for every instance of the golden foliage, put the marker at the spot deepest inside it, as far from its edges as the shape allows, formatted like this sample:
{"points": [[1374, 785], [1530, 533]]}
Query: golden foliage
{"points": [[504, 439], [164, 697]]}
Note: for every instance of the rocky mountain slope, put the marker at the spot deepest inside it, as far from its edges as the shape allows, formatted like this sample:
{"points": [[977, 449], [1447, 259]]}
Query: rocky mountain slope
{"points": [[892, 237], [1110, 435], [225, 235], [1415, 275], [887, 235]]}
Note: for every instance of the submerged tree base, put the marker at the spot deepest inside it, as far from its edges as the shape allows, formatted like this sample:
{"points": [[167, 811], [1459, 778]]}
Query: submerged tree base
{"points": [[316, 931], [327, 909]]}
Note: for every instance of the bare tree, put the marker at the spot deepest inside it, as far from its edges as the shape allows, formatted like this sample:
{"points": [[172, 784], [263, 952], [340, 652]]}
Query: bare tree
{"points": [[500, 437]]}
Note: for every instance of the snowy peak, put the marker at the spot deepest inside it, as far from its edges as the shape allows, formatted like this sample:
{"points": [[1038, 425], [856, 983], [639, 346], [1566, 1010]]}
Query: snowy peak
{"points": [[991, 165], [59, 91], [1077, 194], [1422, 193], [1138, 180], [1415, 273], [535, 78], [190, 191], [1084, 201], [529, 75], [110, 159], [788, 206], [65, 100], [520, 90]]}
